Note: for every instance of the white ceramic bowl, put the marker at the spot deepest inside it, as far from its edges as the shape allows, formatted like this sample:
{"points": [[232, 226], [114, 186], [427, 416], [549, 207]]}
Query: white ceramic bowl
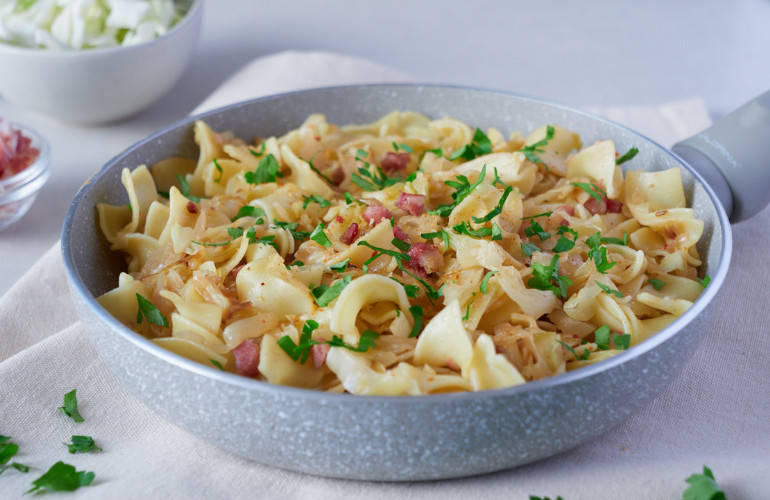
{"points": [[98, 85]]}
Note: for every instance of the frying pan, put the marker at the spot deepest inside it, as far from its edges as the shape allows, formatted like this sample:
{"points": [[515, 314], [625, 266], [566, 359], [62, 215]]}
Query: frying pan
{"points": [[426, 437]]}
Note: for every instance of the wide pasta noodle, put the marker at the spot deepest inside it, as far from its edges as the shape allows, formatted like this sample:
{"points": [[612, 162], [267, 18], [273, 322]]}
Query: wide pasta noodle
{"points": [[407, 256]]}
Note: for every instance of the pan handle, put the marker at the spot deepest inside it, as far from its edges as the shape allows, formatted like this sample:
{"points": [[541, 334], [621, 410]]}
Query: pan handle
{"points": [[733, 155]]}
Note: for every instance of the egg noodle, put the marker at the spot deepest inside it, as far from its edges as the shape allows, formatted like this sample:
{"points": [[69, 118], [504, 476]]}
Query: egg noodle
{"points": [[408, 256]]}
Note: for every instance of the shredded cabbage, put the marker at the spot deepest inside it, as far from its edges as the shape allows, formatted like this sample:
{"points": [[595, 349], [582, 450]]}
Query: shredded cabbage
{"points": [[86, 24]]}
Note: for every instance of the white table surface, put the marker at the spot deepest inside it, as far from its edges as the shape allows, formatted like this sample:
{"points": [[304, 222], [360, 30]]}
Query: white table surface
{"points": [[580, 53]]}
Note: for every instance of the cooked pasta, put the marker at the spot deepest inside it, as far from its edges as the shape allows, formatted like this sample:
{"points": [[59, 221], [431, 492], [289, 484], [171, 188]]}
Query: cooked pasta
{"points": [[408, 256]]}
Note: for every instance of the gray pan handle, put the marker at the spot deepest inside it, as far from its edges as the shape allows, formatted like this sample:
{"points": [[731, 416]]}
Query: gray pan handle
{"points": [[733, 155]]}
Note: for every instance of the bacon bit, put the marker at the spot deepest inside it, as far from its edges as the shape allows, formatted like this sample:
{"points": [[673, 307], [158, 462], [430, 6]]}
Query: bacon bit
{"points": [[318, 352], [339, 219], [247, 357], [400, 234], [614, 206], [426, 257], [234, 271], [337, 176], [660, 213], [350, 234], [569, 209], [452, 365], [564, 222], [192, 208], [412, 203], [607, 205], [393, 162], [16, 153], [375, 213]]}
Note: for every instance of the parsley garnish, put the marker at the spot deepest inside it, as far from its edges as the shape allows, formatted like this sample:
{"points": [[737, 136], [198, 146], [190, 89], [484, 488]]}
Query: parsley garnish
{"points": [[371, 181], [498, 208], [485, 281], [529, 151], [564, 243], [705, 281], [400, 244], [250, 211], [462, 189], [598, 254], [544, 214], [703, 487], [467, 312], [314, 169], [324, 294], [292, 228], [70, 407], [480, 145], [497, 180], [149, 312], [608, 290], [314, 198], [62, 477], [403, 147], [629, 155], [583, 355], [411, 290], [217, 364], [533, 497], [529, 248], [603, 337], [438, 234], [350, 200], [535, 229], [616, 241], [267, 170], [656, 284], [465, 228], [184, 188], [339, 266], [547, 278], [219, 169], [392, 253], [7, 451], [319, 236], [416, 312], [82, 444], [300, 352], [593, 190]]}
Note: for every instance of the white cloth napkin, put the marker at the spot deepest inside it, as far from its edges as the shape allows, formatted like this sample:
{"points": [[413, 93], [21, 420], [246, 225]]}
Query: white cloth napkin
{"points": [[715, 413]]}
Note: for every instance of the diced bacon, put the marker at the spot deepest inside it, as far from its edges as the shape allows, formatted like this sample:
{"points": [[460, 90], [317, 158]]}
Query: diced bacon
{"points": [[614, 206], [412, 203], [234, 272], [400, 234], [568, 209], [337, 176], [594, 207], [350, 234], [339, 219], [192, 207], [426, 257], [247, 358], [318, 352], [393, 162], [375, 213]]}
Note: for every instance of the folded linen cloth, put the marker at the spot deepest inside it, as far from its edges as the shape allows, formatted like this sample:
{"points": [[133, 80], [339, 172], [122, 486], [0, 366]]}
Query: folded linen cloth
{"points": [[714, 413]]}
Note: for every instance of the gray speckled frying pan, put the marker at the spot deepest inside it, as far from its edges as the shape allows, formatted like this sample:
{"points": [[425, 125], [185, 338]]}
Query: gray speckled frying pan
{"points": [[409, 438]]}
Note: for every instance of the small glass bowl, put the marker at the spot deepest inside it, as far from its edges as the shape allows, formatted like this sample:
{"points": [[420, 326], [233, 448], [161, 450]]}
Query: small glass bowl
{"points": [[17, 193]]}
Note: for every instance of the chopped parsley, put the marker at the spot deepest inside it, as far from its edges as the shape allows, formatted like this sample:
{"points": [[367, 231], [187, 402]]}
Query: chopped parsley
{"points": [[605, 339], [529, 248], [82, 444], [250, 211], [371, 177], [547, 278], [529, 151], [62, 477], [323, 294], [598, 254], [468, 312], [7, 451], [350, 200], [292, 228], [417, 314], [300, 352], [628, 156], [544, 214], [385, 251], [465, 228], [219, 169], [184, 188], [463, 188], [268, 170], [703, 487], [535, 229], [705, 281], [583, 355], [616, 241], [400, 244], [438, 234], [411, 290], [656, 284], [497, 180], [485, 281], [149, 312], [608, 290], [339, 266], [565, 243], [593, 190], [480, 145], [70, 407], [498, 208], [314, 169], [403, 147], [217, 364], [314, 198], [319, 236]]}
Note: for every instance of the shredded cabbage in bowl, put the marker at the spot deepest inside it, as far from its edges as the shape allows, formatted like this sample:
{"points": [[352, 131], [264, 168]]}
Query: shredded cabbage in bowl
{"points": [[86, 24]]}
